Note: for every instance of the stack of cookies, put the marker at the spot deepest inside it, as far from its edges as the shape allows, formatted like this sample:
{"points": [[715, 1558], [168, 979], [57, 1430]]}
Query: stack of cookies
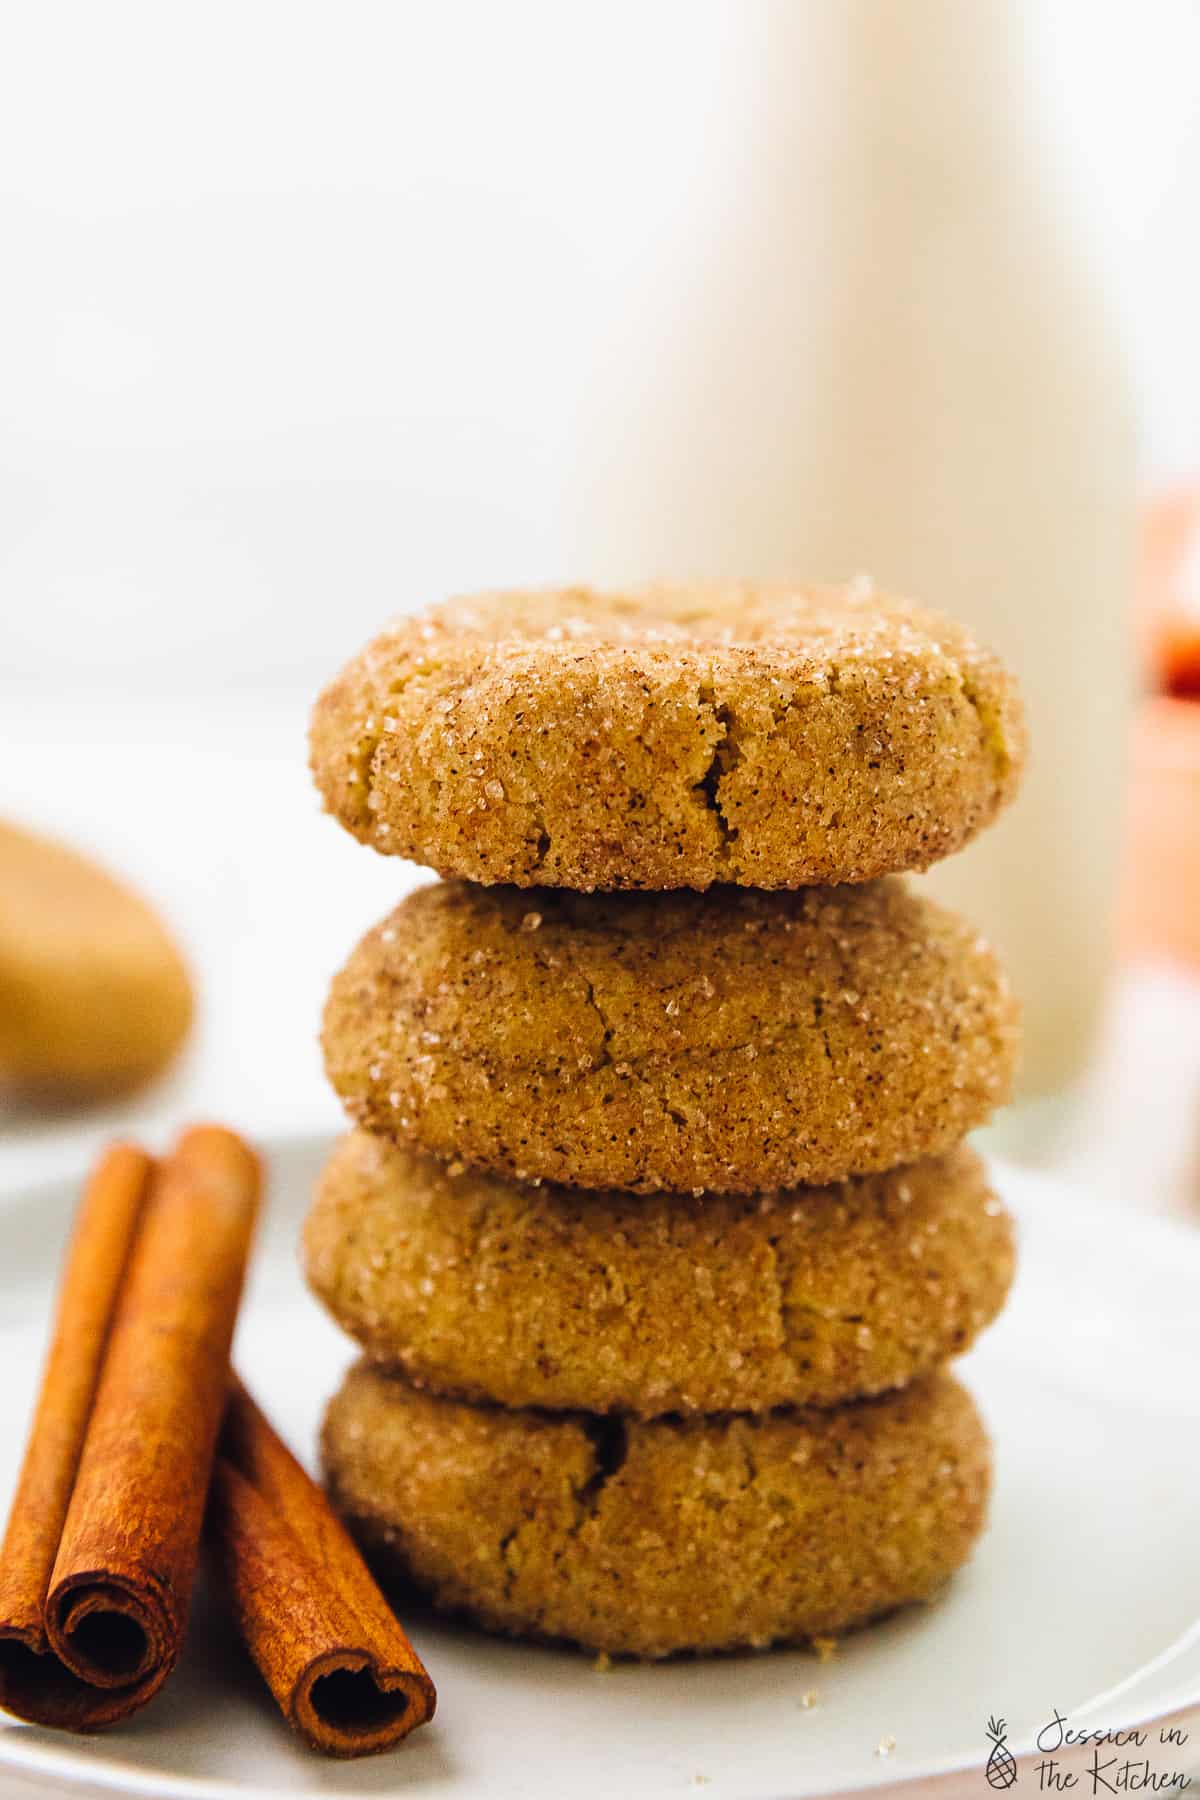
{"points": [[657, 1227]]}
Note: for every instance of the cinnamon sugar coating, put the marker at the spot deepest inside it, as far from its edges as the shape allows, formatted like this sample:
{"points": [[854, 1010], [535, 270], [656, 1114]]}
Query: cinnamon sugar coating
{"points": [[649, 1537], [560, 1298], [670, 737], [730, 1041]]}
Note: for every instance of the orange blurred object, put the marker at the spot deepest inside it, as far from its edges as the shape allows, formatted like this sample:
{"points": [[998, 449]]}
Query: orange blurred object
{"points": [[1180, 661], [1168, 600], [1160, 900]]}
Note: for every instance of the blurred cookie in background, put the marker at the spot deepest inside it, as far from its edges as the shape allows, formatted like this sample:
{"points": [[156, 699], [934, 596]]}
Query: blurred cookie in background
{"points": [[95, 998]]}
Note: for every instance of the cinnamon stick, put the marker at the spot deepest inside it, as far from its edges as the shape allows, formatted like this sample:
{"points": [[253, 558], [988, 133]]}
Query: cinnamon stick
{"points": [[114, 1604], [32, 1683], [326, 1642]]}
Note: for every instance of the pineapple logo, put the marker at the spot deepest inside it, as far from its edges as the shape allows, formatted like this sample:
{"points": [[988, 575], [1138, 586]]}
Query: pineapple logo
{"points": [[1001, 1768]]}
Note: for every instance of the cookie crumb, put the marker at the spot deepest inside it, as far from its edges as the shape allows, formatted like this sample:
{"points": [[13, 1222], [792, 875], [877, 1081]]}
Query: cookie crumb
{"points": [[602, 1664], [531, 921], [809, 1698], [825, 1647], [885, 1746]]}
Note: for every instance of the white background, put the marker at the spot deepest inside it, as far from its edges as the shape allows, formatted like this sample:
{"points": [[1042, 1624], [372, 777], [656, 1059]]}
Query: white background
{"points": [[299, 304], [300, 307]]}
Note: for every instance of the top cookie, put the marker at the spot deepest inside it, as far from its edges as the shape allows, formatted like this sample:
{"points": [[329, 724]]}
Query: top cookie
{"points": [[670, 737]]}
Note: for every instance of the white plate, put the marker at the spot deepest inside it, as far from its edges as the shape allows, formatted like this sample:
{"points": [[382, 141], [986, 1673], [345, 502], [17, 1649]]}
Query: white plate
{"points": [[1084, 1597]]}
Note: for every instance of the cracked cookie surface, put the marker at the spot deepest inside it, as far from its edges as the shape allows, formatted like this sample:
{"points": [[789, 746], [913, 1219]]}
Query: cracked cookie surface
{"points": [[670, 737], [560, 1298], [728, 1041], [650, 1537]]}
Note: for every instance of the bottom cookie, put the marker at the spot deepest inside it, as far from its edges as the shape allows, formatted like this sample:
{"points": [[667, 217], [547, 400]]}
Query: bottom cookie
{"points": [[648, 1537]]}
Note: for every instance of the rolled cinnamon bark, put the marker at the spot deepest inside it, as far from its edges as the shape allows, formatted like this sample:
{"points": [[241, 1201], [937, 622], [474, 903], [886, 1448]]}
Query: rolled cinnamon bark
{"points": [[33, 1684], [114, 1605], [329, 1647]]}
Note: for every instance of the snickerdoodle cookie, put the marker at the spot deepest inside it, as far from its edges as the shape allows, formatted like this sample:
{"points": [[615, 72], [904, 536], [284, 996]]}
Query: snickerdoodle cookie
{"points": [[670, 737], [561, 1298], [729, 1041], [94, 996], [656, 1536]]}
